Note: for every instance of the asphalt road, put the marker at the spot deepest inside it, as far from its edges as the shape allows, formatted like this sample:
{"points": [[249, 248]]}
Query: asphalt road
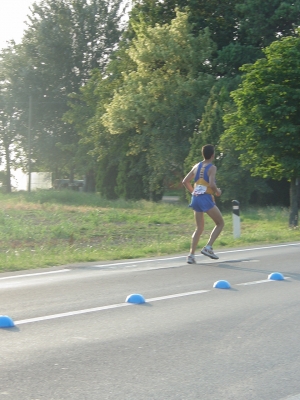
{"points": [[75, 337]]}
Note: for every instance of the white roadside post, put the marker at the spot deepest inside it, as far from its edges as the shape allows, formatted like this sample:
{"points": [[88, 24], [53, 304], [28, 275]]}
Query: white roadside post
{"points": [[236, 219]]}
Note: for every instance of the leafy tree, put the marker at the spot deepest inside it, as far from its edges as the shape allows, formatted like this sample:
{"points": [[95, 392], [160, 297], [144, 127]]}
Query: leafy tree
{"points": [[217, 15], [262, 22], [265, 125], [234, 179], [8, 135], [258, 24], [240, 29], [64, 41], [159, 104], [209, 131], [107, 151], [234, 47], [13, 133]]}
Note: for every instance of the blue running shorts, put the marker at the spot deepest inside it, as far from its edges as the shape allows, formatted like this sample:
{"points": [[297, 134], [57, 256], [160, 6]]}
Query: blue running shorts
{"points": [[202, 203]]}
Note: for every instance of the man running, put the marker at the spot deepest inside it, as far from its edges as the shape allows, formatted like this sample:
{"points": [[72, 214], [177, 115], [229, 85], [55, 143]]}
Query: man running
{"points": [[204, 175]]}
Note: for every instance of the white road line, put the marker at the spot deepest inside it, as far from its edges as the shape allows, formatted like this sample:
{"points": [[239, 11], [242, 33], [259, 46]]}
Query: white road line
{"points": [[68, 314], [262, 281], [89, 310], [254, 282], [109, 307], [296, 397], [171, 296], [260, 248], [129, 264], [35, 274], [133, 263]]}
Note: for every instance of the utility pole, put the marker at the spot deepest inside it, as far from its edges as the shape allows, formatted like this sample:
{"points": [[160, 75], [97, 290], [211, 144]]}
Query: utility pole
{"points": [[29, 144]]}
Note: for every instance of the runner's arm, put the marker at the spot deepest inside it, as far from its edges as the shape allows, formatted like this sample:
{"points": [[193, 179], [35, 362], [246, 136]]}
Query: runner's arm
{"points": [[187, 180]]}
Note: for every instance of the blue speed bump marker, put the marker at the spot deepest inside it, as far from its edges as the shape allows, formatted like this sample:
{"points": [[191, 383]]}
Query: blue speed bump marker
{"points": [[6, 322], [222, 285], [135, 299], [276, 276]]}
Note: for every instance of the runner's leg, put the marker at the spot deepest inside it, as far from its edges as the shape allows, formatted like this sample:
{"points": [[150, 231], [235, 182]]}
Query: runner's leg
{"points": [[199, 219], [216, 216]]}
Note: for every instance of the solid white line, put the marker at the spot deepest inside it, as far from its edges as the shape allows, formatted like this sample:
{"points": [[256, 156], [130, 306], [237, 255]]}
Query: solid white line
{"points": [[133, 263], [68, 314], [262, 281], [171, 296], [260, 248], [35, 274], [180, 257], [254, 282], [89, 310], [138, 262]]}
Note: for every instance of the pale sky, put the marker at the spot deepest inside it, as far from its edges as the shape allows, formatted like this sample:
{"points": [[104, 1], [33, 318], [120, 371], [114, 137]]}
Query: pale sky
{"points": [[13, 13]]}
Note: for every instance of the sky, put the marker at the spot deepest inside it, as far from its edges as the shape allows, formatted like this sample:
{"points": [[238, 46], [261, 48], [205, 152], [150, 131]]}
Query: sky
{"points": [[13, 13]]}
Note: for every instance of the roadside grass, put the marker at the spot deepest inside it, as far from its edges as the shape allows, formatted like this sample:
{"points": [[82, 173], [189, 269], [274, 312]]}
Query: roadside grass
{"points": [[49, 228]]}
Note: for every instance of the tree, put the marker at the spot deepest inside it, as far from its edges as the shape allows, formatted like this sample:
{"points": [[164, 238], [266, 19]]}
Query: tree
{"points": [[240, 29], [217, 15], [107, 151], [159, 105], [266, 124], [13, 132], [234, 179], [234, 47], [239, 39], [262, 22], [64, 42], [8, 136]]}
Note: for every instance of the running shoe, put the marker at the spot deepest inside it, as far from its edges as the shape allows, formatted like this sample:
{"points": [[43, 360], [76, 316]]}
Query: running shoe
{"points": [[191, 259], [209, 253]]}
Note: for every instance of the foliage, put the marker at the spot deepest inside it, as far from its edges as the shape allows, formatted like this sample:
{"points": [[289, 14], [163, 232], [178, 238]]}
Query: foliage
{"points": [[152, 85], [259, 24], [64, 41], [12, 132], [265, 125], [263, 22], [158, 105], [217, 15], [240, 29], [234, 180]]}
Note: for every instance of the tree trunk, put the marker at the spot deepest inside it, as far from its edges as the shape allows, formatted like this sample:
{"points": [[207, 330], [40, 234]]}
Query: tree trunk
{"points": [[90, 181], [294, 189], [8, 172]]}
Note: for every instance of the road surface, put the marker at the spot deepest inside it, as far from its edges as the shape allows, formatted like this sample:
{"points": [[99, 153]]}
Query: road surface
{"points": [[76, 338]]}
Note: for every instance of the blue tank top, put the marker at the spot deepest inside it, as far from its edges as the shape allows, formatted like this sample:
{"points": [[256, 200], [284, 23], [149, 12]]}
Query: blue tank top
{"points": [[202, 174]]}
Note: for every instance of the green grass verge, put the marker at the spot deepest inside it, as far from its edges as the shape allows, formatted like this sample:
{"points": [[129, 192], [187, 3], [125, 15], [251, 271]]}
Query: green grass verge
{"points": [[49, 228]]}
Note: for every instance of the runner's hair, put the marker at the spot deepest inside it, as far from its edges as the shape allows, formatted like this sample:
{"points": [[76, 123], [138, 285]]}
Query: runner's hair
{"points": [[207, 151]]}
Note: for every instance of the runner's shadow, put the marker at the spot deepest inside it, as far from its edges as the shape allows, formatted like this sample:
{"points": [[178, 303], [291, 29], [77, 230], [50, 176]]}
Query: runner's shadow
{"points": [[225, 265], [292, 275]]}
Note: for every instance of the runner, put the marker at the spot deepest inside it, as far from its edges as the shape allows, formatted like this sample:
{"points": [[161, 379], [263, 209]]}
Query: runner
{"points": [[204, 175]]}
